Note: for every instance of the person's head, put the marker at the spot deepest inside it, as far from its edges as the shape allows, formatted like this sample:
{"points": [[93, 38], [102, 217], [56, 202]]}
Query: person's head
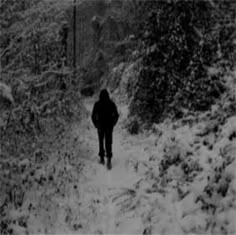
{"points": [[104, 95]]}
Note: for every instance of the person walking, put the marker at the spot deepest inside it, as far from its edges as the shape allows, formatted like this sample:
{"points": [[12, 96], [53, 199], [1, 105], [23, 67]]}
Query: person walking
{"points": [[105, 117]]}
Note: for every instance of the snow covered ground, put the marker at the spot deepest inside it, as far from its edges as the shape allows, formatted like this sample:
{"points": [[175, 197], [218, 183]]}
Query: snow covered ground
{"points": [[178, 178]]}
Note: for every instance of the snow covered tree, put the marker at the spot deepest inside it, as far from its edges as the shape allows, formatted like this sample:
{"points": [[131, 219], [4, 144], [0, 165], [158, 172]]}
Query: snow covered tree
{"points": [[182, 40]]}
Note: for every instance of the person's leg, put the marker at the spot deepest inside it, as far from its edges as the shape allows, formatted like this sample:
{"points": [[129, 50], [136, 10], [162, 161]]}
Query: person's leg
{"points": [[108, 145], [101, 135]]}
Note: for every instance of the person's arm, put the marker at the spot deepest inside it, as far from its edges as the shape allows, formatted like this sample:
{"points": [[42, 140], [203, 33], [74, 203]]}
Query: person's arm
{"points": [[95, 116]]}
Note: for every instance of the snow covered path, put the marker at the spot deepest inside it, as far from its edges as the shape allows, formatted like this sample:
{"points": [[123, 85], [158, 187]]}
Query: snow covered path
{"points": [[162, 182], [101, 186]]}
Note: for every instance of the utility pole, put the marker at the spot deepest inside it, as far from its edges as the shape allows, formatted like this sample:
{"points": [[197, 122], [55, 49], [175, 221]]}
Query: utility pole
{"points": [[74, 40]]}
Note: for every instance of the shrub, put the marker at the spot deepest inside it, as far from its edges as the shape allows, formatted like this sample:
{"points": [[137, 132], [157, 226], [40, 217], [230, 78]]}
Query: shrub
{"points": [[182, 39], [133, 125]]}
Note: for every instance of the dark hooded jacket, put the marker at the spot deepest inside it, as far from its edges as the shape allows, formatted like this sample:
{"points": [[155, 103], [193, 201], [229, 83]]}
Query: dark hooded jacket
{"points": [[104, 113]]}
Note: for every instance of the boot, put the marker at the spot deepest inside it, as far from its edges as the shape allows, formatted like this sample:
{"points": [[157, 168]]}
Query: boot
{"points": [[109, 166], [102, 161]]}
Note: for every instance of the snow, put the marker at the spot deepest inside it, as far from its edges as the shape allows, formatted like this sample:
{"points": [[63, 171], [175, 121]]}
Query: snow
{"points": [[177, 178]]}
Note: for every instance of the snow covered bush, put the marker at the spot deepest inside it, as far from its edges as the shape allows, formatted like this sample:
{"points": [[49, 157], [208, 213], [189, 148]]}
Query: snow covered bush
{"points": [[181, 41], [133, 125], [189, 178]]}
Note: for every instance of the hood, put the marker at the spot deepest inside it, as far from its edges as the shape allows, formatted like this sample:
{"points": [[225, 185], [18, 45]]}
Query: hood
{"points": [[104, 95]]}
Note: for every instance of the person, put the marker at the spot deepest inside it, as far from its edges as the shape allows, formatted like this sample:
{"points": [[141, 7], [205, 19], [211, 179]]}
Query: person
{"points": [[104, 118]]}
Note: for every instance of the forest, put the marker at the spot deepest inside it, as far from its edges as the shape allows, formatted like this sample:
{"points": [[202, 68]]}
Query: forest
{"points": [[169, 65]]}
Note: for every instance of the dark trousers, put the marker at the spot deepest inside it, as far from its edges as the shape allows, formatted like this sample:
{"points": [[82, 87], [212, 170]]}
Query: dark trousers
{"points": [[105, 135]]}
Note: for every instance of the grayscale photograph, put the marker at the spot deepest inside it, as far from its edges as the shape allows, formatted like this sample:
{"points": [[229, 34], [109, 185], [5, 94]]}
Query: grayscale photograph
{"points": [[118, 117]]}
